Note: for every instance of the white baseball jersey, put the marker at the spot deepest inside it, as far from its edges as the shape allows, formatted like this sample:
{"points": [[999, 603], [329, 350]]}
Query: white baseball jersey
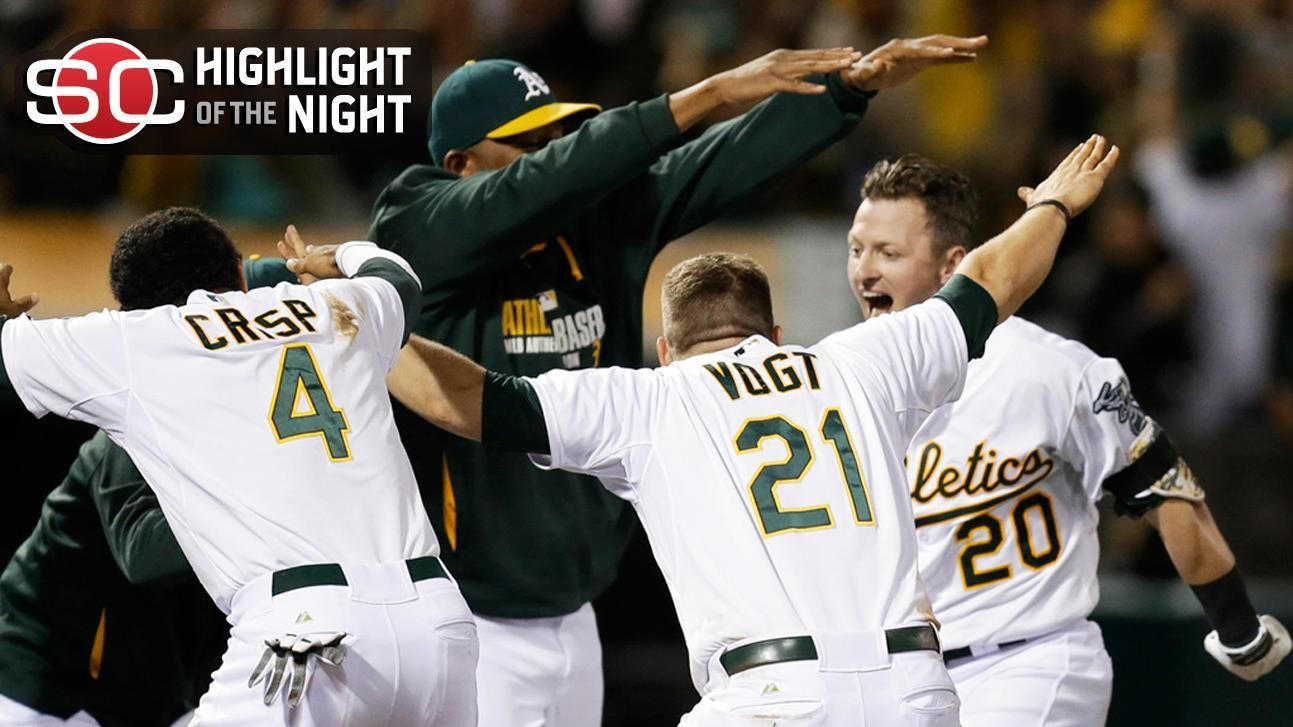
{"points": [[261, 419], [1004, 483], [768, 478]]}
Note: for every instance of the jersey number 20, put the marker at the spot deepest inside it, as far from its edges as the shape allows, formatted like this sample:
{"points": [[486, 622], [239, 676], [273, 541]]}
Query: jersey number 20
{"points": [[763, 488], [302, 406]]}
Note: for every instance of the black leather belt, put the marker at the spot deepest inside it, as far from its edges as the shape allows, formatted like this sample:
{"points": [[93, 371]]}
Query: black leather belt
{"points": [[964, 652], [802, 648], [330, 574]]}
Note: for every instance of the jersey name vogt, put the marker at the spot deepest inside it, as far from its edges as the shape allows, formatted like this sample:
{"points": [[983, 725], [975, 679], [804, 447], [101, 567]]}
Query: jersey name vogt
{"points": [[768, 477]]}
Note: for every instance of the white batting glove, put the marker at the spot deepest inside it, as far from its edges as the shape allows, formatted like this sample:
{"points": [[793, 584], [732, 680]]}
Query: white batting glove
{"points": [[1254, 659]]}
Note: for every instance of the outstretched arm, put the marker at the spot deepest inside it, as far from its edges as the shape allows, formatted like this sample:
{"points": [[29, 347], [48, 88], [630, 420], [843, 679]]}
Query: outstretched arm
{"points": [[1012, 265], [440, 385]]}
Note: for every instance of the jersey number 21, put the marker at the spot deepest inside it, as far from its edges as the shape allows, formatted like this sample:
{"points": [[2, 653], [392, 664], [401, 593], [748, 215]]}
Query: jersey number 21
{"points": [[773, 518]]}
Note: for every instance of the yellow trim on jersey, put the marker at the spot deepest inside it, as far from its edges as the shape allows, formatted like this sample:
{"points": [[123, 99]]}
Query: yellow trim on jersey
{"points": [[302, 392], [839, 462], [1001, 542], [790, 454], [570, 258], [1025, 533], [96, 651], [327, 396], [449, 506]]}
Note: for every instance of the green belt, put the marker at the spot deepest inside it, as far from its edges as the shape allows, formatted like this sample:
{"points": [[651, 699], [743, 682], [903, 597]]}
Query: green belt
{"points": [[330, 574], [801, 648]]}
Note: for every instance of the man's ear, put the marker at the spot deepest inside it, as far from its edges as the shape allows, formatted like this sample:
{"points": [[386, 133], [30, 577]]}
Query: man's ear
{"points": [[242, 276], [456, 161], [951, 261], [662, 351], [776, 335]]}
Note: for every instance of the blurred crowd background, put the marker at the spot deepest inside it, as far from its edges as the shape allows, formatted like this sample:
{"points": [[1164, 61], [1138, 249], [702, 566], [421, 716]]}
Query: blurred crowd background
{"points": [[1183, 271]]}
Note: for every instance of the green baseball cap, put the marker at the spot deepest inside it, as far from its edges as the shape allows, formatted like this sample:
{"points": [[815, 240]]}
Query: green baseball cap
{"points": [[492, 99]]}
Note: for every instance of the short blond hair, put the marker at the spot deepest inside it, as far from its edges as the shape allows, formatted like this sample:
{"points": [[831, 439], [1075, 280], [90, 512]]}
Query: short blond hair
{"points": [[715, 296]]}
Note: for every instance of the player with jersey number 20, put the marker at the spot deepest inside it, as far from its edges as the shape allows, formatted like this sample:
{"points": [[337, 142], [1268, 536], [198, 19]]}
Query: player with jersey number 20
{"points": [[261, 420], [1004, 483], [763, 473]]}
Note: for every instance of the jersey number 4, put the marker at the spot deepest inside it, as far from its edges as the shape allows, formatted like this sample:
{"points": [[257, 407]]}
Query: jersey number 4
{"points": [[773, 518], [302, 406]]}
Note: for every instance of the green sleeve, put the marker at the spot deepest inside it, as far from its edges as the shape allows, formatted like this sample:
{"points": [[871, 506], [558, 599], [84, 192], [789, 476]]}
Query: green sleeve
{"points": [[974, 308], [451, 228], [266, 272], [406, 285], [138, 536], [511, 415], [695, 183]]}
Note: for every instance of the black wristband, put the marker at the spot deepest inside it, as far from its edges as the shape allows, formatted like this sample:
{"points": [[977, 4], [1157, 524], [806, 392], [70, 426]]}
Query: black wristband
{"points": [[1226, 603], [1063, 208]]}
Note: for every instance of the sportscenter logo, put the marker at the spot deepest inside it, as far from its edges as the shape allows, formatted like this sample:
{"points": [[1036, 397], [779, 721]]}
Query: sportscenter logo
{"points": [[104, 91], [229, 91]]}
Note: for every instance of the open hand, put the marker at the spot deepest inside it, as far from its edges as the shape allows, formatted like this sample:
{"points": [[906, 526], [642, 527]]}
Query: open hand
{"points": [[780, 70], [309, 262], [900, 59], [8, 306], [1077, 181]]}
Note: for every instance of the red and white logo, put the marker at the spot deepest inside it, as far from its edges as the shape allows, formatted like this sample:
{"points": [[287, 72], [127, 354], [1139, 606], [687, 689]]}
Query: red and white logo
{"points": [[104, 90]]}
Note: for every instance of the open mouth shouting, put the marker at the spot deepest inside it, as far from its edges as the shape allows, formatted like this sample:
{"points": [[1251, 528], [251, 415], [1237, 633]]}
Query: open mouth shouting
{"points": [[874, 303]]}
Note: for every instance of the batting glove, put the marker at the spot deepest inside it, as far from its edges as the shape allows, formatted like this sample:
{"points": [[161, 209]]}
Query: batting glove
{"points": [[297, 650], [1254, 659]]}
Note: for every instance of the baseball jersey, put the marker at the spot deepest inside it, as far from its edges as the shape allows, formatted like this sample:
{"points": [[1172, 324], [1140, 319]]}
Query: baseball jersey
{"points": [[768, 478], [542, 265], [261, 419], [1004, 483]]}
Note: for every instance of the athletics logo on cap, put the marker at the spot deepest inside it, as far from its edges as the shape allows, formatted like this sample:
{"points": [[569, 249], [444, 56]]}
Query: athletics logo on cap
{"points": [[534, 83], [104, 91]]}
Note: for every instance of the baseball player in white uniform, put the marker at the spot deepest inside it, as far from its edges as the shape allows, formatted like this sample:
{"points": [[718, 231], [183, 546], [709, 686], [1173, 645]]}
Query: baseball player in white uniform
{"points": [[768, 477], [262, 421], [1004, 483]]}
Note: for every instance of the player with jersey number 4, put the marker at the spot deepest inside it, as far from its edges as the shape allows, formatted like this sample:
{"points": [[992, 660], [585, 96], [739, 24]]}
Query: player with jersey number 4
{"points": [[762, 471], [1004, 481], [261, 420]]}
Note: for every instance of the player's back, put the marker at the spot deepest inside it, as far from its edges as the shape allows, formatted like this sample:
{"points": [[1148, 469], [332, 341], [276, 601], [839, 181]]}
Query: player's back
{"points": [[783, 485], [263, 422], [1004, 483], [769, 478]]}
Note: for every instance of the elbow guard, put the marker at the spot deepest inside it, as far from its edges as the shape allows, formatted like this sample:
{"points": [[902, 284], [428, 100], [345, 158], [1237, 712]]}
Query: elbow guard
{"points": [[1156, 472]]}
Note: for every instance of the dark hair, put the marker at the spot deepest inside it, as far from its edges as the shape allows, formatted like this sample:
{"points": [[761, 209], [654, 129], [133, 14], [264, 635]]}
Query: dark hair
{"points": [[714, 296], [951, 204], [163, 256]]}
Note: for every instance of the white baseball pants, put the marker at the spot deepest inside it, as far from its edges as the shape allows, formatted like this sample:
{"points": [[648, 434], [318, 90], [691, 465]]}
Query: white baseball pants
{"points": [[540, 672], [411, 656], [17, 714], [1062, 679], [849, 688]]}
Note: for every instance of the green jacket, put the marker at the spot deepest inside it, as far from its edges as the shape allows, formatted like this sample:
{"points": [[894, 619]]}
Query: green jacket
{"points": [[542, 265], [99, 610]]}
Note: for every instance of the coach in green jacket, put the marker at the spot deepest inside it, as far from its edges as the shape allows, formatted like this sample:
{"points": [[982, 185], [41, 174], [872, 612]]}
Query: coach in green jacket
{"points": [[533, 242]]}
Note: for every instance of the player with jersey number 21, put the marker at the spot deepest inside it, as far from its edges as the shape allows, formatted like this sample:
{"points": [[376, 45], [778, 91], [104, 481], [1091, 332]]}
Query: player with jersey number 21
{"points": [[261, 420], [764, 472], [1004, 483]]}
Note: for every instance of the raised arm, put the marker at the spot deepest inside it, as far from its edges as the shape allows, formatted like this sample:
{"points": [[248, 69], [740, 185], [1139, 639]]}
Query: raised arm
{"points": [[451, 228], [695, 183], [1012, 265]]}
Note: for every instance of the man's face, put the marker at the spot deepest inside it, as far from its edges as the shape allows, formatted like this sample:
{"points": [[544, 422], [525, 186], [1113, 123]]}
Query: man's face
{"points": [[491, 154], [892, 264]]}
